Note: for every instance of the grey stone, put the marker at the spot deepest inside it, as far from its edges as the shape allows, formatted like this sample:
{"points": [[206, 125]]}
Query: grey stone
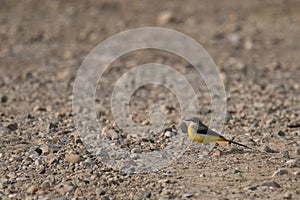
{"points": [[271, 184], [267, 149], [280, 172]]}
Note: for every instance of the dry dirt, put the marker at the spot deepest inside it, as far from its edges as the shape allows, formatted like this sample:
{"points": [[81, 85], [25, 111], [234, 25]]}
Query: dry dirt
{"points": [[255, 44]]}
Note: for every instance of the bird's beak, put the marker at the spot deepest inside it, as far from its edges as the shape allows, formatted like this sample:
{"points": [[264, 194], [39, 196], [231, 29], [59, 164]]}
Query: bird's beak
{"points": [[187, 121]]}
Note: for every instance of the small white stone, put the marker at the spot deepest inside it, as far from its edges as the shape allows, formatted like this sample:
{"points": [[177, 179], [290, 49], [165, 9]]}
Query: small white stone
{"points": [[164, 17], [297, 173], [235, 38], [169, 134], [248, 44]]}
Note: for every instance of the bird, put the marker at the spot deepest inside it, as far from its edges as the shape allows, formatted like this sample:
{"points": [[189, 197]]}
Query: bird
{"points": [[199, 132]]}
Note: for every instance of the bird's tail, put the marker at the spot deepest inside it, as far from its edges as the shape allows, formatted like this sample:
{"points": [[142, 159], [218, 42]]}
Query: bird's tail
{"points": [[231, 141], [221, 138]]}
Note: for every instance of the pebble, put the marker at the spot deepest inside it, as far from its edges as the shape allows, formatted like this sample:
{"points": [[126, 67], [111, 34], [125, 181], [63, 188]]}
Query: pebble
{"points": [[287, 195], [68, 55], [271, 184], [50, 159], [145, 123], [4, 130], [285, 154], [294, 124], [47, 148], [12, 126], [3, 98], [105, 198], [164, 180], [100, 191], [266, 135], [254, 187], [280, 172], [169, 134], [144, 195], [72, 158], [269, 123], [51, 127], [78, 192], [217, 153], [12, 196], [38, 150], [39, 108], [236, 171], [164, 18], [136, 150], [293, 163], [132, 135], [32, 189], [297, 173], [167, 174], [63, 189], [218, 36], [228, 117], [45, 185], [33, 154], [114, 135], [166, 192], [187, 195], [3, 180], [235, 39], [204, 111], [60, 114], [281, 133], [110, 133], [135, 156], [248, 45], [267, 149], [38, 162]]}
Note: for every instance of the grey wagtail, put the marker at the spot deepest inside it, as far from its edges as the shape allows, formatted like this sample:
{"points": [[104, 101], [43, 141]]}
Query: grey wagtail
{"points": [[199, 132]]}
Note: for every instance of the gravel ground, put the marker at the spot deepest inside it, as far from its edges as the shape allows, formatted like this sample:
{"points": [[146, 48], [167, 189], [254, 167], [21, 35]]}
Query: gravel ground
{"points": [[254, 44]]}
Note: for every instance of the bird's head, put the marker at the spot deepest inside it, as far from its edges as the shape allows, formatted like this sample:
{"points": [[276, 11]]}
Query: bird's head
{"points": [[194, 121]]}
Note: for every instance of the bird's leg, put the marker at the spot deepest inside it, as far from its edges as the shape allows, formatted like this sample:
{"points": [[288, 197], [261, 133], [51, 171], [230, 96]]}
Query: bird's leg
{"points": [[230, 141]]}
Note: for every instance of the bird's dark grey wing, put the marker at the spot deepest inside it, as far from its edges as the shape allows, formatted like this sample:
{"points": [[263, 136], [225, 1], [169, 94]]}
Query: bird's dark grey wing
{"points": [[202, 129]]}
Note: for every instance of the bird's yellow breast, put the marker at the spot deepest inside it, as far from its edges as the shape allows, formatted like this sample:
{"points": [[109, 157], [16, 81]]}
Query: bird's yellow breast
{"points": [[202, 138], [194, 135]]}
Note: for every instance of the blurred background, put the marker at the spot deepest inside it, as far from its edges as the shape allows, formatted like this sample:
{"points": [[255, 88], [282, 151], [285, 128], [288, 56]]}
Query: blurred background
{"points": [[255, 44]]}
